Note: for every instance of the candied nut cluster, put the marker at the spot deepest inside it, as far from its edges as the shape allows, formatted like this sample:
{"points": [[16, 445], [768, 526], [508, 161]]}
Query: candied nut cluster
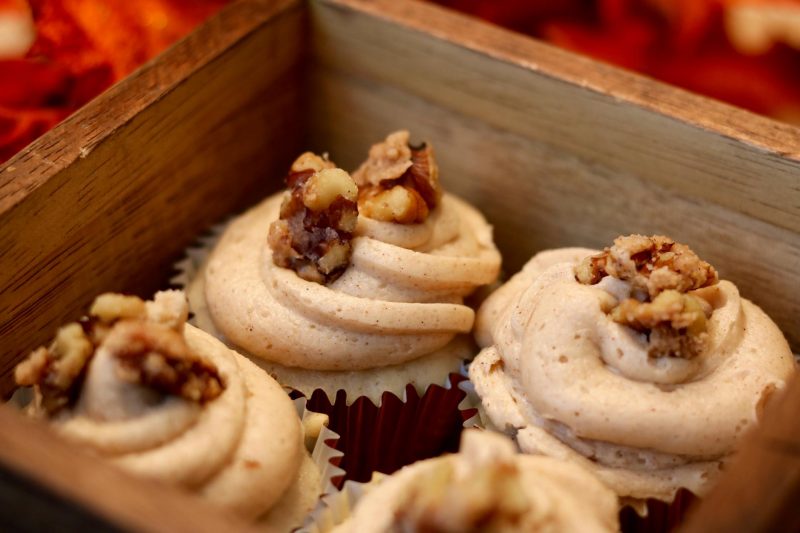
{"points": [[674, 322], [146, 338], [398, 183], [493, 500], [651, 264], [317, 219], [660, 272]]}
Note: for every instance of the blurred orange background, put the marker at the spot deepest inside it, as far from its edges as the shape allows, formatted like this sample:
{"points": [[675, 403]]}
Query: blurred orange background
{"points": [[56, 55], [745, 52]]}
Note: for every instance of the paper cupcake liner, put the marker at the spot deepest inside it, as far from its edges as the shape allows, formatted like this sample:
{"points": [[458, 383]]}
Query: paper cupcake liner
{"points": [[335, 508], [397, 431], [661, 517]]}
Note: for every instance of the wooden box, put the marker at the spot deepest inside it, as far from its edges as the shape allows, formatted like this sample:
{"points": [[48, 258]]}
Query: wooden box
{"points": [[554, 148]]}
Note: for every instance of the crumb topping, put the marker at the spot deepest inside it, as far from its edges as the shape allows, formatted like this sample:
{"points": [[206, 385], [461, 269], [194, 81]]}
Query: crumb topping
{"points": [[490, 500], [398, 182], [317, 219], [661, 272], [145, 336]]}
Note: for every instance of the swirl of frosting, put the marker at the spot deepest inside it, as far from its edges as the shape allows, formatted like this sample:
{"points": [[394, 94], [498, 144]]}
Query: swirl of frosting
{"points": [[240, 446], [399, 298], [485, 487], [577, 384]]}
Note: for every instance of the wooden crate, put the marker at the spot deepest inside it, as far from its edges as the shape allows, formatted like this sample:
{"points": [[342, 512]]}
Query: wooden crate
{"points": [[554, 148]]}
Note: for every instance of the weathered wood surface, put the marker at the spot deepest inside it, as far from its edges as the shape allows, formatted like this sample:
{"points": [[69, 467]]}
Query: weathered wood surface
{"points": [[560, 150], [46, 484]]}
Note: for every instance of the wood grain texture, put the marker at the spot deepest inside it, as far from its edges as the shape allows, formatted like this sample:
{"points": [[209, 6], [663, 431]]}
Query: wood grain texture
{"points": [[762, 489], [77, 492], [685, 142], [113, 194], [539, 196]]}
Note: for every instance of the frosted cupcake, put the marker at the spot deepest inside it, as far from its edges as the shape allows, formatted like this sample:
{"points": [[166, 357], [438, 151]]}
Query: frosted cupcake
{"points": [[636, 363], [487, 486], [352, 285], [134, 384]]}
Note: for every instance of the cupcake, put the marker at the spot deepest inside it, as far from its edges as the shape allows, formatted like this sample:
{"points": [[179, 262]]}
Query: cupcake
{"points": [[487, 486], [136, 385], [637, 363], [352, 285]]}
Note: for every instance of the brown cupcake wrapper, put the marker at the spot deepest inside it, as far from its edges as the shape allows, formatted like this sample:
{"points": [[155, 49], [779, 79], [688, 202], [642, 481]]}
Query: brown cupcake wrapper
{"points": [[395, 432]]}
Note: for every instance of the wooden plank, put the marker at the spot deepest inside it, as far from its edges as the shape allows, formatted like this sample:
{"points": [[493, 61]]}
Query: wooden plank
{"points": [[116, 192], [538, 196], [760, 491], [686, 143], [47, 484]]}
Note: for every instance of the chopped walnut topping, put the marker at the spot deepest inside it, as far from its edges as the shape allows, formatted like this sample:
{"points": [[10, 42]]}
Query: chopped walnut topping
{"points": [[126, 325], [660, 272], [317, 220], [490, 500], [675, 323], [156, 356], [398, 183], [652, 265]]}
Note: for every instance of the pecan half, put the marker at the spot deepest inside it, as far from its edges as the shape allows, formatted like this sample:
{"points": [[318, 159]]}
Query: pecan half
{"points": [[660, 272], [317, 219], [398, 183]]}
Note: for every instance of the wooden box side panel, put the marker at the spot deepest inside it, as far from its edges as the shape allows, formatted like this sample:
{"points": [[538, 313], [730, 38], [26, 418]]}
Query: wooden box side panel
{"points": [[110, 198], [548, 176]]}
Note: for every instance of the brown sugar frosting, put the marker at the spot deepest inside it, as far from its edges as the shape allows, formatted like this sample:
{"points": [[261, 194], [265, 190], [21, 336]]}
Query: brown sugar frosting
{"points": [[399, 297], [487, 486], [137, 386], [577, 378]]}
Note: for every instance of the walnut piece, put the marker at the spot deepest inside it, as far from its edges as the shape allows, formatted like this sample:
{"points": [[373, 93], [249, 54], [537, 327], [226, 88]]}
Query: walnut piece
{"points": [[492, 499], [675, 323], [156, 356], [398, 183], [127, 325], [317, 219], [660, 272], [651, 264]]}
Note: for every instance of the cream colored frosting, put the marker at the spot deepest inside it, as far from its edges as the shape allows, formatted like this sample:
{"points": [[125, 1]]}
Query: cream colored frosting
{"points": [[399, 299], [559, 496], [242, 450], [573, 384]]}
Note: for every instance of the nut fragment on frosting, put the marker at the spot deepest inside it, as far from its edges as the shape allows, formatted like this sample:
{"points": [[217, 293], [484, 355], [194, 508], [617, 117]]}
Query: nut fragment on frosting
{"points": [[398, 182], [317, 219], [150, 354], [660, 272]]}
